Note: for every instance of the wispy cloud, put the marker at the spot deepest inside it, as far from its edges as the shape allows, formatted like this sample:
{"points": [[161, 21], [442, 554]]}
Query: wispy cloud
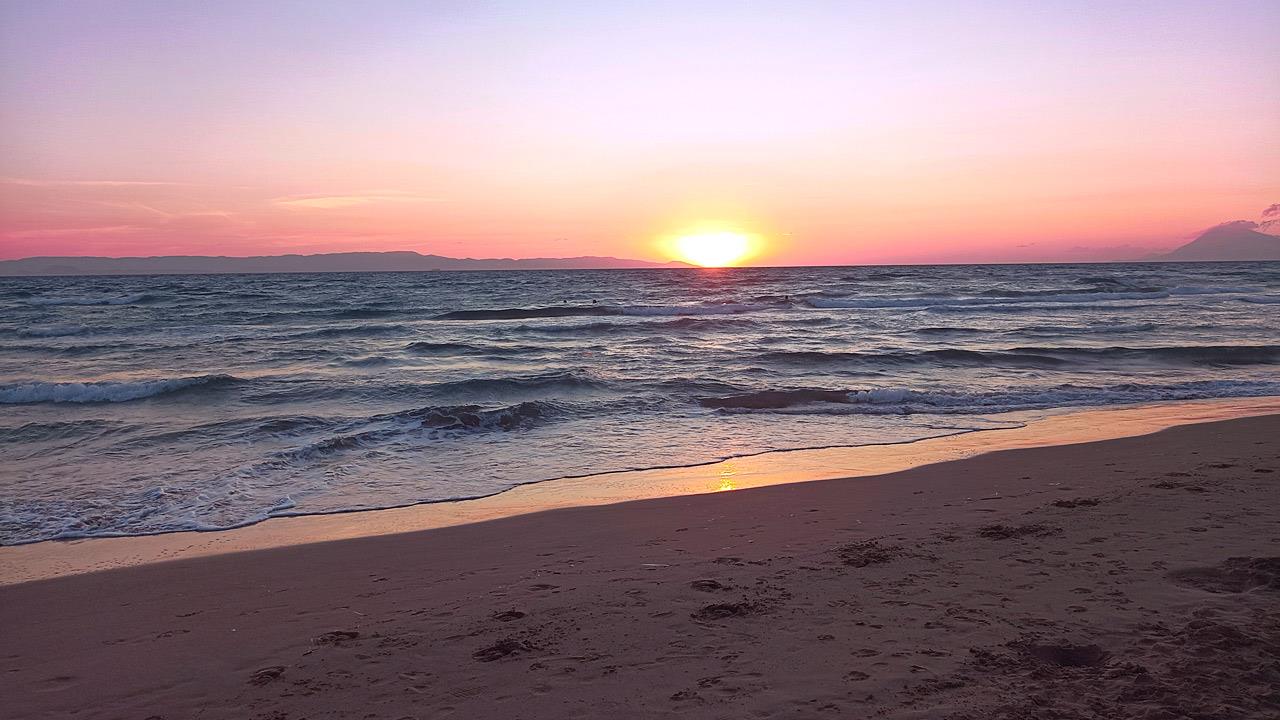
{"points": [[1270, 219], [330, 202], [70, 232], [31, 182]]}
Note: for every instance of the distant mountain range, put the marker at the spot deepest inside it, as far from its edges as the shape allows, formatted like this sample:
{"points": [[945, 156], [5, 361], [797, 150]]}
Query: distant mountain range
{"points": [[1239, 240], [329, 262]]}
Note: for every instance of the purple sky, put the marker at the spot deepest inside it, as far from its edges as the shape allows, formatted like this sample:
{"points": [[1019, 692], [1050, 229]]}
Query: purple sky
{"points": [[834, 131]]}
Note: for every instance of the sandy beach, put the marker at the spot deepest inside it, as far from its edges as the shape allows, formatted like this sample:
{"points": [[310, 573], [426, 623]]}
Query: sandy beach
{"points": [[639, 361], [1134, 577]]}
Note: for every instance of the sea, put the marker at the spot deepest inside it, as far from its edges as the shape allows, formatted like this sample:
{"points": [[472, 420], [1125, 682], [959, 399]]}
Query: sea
{"points": [[140, 405]]}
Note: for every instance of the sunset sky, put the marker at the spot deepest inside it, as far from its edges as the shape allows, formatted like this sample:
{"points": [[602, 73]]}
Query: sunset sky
{"points": [[836, 132]]}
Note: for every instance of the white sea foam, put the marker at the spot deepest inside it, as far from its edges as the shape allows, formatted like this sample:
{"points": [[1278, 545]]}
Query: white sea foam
{"points": [[880, 395], [52, 330], [706, 365]]}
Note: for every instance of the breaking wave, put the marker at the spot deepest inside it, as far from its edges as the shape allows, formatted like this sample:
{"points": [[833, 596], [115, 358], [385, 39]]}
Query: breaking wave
{"points": [[105, 391], [904, 401], [432, 422]]}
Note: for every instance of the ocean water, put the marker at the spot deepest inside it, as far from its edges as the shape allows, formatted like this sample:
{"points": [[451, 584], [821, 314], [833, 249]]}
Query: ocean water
{"points": [[137, 405]]}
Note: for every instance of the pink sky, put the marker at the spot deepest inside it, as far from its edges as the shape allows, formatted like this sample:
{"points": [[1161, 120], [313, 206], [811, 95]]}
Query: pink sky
{"points": [[839, 132]]}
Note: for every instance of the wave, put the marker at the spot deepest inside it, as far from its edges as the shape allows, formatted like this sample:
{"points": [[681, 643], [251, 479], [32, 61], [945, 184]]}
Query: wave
{"points": [[1043, 356], [1108, 282], [950, 356], [529, 313], [134, 299], [105, 391], [929, 331], [906, 401], [608, 311], [1093, 329], [560, 381], [1211, 290], [72, 350], [1042, 330], [57, 430], [434, 422], [1184, 355], [443, 348], [871, 303], [1051, 294], [775, 399], [694, 323], [357, 313], [352, 331], [368, 361], [1261, 299], [52, 330], [705, 309], [1015, 298], [632, 327]]}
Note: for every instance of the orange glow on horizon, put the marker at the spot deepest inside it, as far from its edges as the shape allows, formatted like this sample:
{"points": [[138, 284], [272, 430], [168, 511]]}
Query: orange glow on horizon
{"points": [[616, 129], [713, 248]]}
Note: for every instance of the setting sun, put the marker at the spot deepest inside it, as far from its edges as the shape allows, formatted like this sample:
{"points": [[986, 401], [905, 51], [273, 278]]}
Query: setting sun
{"points": [[713, 249]]}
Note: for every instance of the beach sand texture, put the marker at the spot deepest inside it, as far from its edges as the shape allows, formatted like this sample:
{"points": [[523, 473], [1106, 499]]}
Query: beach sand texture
{"points": [[1136, 577]]}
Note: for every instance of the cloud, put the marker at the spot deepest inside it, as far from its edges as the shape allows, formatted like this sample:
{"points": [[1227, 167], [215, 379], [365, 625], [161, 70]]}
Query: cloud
{"points": [[1270, 220], [330, 202], [1240, 224], [70, 232], [87, 183]]}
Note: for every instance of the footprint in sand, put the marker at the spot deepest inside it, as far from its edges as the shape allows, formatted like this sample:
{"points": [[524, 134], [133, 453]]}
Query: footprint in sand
{"points": [[1076, 503], [1006, 532], [337, 637], [503, 648], [720, 611], [1065, 654], [266, 674], [708, 585], [867, 552]]}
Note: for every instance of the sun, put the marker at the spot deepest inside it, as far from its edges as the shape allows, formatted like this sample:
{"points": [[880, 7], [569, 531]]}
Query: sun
{"points": [[713, 249]]}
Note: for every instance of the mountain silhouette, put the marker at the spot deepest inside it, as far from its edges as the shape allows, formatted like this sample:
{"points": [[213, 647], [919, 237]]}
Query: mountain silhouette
{"points": [[328, 262], [1239, 240]]}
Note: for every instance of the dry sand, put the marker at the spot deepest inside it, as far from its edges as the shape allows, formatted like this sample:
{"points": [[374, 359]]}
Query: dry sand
{"points": [[1137, 577]]}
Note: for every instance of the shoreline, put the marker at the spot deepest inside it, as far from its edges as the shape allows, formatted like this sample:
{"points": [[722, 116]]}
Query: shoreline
{"points": [[1130, 577], [55, 558]]}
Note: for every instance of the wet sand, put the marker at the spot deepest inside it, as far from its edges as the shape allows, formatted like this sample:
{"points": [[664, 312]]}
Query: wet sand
{"points": [[52, 559], [1134, 577]]}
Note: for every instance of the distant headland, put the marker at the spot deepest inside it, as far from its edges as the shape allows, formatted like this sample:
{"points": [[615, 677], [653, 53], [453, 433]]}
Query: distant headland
{"points": [[327, 262]]}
